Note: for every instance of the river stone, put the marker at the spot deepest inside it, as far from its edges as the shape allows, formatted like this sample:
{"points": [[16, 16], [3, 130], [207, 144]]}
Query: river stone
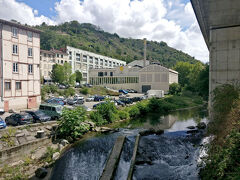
{"points": [[41, 172], [201, 125], [64, 142], [55, 156]]}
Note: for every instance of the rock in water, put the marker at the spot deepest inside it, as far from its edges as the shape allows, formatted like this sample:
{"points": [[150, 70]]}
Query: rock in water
{"points": [[201, 125], [191, 127], [55, 156], [41, 172]]}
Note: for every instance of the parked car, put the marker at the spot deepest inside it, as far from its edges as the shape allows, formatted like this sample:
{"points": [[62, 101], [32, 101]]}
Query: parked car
{"points": [[2, 124], [78, 102], [90, 98], [87, 85], [78, 97], [122, 96], [126, 100], [136, 99], [120, 103], [57, 101], [19, 119], [86, 108], [2, 111], [98, 104], [99, 98], [134, 91], [39, 116], [130, 90], [52, 110], [123, 91], [61, 86], [71, 101]]}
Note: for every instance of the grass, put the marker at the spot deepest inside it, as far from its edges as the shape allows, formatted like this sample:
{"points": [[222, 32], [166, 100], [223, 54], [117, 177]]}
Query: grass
{"points": [[99, 91]]}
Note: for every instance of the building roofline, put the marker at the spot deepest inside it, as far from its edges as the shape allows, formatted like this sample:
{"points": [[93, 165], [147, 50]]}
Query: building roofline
{"points": [[46, 51], [20, 26]]}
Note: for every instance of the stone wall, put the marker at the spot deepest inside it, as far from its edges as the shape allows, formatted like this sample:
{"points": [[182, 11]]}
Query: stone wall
{"points": [[15, 142]]}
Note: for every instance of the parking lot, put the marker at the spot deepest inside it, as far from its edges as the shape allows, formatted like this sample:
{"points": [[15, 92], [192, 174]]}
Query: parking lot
{"points": [[87, 104]]}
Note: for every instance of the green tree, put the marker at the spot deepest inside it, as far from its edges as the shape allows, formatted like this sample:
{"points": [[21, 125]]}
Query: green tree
{"points": [[57, 74], [184, 70], [78, 76], [174, 89], [67, 73]]}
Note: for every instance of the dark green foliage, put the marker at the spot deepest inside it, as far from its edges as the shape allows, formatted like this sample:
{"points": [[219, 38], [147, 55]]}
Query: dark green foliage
{"points": [[69, 92], [78, 76], [175, 89], [134, 111], [91, 38], [63, 74], [105, 113], [143, 107], [72, 123], [194, 78], [46, 89], [84, 91], [123, 114]]}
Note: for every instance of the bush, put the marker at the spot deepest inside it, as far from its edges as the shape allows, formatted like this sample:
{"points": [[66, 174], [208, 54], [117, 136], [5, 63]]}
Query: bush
{"points": [[143, 107], [84, 91], [72, 123], [175, 89], [123, 115], [96, 117], [134, 111], [106, 113], [69, 92], [53, 89]]}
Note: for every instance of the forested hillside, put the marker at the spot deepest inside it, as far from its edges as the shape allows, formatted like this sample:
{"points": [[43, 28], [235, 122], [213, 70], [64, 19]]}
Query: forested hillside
{"points": [[92, 38]]}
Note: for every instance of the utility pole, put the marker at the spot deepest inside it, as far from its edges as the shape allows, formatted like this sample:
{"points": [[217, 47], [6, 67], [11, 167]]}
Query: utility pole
{"points": [[145, 52]]}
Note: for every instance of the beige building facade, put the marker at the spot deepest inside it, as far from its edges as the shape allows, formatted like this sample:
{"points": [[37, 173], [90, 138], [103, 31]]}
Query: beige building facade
{"points": [[48, 59], [141, 79], [19, 64]]}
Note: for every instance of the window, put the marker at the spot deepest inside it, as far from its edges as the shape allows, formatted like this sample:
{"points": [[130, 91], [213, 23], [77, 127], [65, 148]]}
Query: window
{"points": [[77, 57], [30, 35], [105, 73], [111, 73], [91, 67], [57, 55], [15, 49], [84, 58], [100, 74], [30, 52], [14, 32], [30, 68], [15, 67], [49, 55], [18, 86], [7, 85], [61, 61], [61, 56]]}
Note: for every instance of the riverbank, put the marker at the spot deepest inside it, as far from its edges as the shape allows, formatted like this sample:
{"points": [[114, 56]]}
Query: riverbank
{"points": [[223, 160], [82, 122]]}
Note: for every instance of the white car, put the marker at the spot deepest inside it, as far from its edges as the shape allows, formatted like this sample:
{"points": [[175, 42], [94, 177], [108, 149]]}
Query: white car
{"points": [[90, 98], [77, 97]]}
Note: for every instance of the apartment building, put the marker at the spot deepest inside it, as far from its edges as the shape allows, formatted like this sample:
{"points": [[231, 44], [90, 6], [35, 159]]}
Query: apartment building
{"points": [[84, 61], [19, 66], [48, 59], [135, 76]]}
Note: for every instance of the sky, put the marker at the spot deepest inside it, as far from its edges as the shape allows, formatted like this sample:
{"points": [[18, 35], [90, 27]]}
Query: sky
{"points": [[171, 21]]}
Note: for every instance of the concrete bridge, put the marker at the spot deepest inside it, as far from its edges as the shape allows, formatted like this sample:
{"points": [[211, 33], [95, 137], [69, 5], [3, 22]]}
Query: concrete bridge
{"points": [[219, 21]]}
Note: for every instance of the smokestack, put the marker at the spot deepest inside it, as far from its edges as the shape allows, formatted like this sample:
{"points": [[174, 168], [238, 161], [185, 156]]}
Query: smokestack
{"points": [[145, 53]]}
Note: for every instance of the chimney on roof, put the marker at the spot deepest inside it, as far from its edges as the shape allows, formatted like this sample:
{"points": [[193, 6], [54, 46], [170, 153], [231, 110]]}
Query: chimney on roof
{"points": [[145, 52]]}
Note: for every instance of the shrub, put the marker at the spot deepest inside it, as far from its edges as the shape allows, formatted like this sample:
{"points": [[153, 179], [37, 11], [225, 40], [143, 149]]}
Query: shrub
{"points": [[175, 89], [53, 89], [123, 115], [134, 111], [69, 92], [96, 117], [143, 107], [72, 123], [84, 91], [105, 113]]}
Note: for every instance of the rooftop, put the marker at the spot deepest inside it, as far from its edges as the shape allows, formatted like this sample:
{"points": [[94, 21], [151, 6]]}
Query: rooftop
{"points": [[15, 24]]}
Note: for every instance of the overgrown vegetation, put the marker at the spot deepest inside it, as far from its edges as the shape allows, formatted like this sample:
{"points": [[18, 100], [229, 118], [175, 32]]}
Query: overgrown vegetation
{"points": [[72, 123], [98, 90], [92, 38], [193, 78], [223, 162]]}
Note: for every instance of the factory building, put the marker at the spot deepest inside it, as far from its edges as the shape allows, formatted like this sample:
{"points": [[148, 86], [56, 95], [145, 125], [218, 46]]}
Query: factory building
{"points": [[135, 76]]}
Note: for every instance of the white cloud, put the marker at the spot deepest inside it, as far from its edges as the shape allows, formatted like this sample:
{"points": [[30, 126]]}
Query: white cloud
{"points": [[10, 9], [160, 20]]}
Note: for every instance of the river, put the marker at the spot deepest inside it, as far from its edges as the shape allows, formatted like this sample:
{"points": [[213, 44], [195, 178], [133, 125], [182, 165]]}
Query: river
{"points": [[171, 155]]}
